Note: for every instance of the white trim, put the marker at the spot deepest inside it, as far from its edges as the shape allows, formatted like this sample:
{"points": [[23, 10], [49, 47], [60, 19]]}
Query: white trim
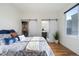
{"points": [[78, 24], [70, 35]]}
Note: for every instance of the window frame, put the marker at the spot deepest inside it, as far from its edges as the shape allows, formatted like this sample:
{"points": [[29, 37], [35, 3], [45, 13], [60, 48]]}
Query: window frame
{"points": [[71, 35]]}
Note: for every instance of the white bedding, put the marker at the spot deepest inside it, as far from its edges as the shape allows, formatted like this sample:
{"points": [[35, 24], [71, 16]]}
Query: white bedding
{"points": [[31, 43], [39, 43], [13, 47]]}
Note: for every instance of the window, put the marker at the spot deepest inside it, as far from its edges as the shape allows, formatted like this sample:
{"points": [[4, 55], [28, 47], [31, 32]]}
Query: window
{"points": [[72, 20]]}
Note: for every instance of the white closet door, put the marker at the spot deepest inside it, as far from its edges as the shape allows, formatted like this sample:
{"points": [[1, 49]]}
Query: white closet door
{"points": [[33, 28], [52, 29]]}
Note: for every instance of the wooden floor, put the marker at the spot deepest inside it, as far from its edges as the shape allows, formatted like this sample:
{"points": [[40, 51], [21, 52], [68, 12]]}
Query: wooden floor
{"points": [[60, 50]]}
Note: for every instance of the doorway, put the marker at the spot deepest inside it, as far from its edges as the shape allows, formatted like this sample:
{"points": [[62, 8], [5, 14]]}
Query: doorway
{"points": [[25, 28], [45, 28], [48, 29]]}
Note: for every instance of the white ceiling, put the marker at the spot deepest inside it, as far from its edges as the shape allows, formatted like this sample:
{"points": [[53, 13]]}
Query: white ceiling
{"points": [[40, 7]]}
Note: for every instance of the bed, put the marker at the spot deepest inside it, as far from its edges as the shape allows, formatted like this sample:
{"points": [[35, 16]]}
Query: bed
{"points": [[28, 46], [39, 44], [34, 45]]}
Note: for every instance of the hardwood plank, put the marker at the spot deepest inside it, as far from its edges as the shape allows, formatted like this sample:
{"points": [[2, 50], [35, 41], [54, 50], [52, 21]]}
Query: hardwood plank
{"points": [[60, 50]]}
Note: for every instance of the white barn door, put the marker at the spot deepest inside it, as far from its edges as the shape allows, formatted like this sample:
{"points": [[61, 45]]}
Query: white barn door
{"points": [[33, 28], [52, 30]]}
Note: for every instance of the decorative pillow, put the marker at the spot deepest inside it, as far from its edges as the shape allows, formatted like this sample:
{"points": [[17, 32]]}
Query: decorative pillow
{"points": [[2, 36], [22, 38], [12, 40], [4, 31], [9, 40]]}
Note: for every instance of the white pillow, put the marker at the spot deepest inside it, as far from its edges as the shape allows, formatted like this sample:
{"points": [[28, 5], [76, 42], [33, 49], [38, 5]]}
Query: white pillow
{"points": [[10, 41], [22, 38]]}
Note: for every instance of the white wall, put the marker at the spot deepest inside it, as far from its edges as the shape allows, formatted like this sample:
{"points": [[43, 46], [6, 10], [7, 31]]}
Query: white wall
{"points": [[9, 18], [39, 16], [71, 42]]}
